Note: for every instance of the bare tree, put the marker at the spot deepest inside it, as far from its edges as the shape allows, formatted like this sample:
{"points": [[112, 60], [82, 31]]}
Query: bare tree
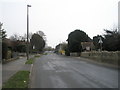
{"points": [[2, 31], [14, 37]]}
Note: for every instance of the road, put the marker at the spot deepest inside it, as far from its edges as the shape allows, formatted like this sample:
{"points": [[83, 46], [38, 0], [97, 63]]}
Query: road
{"points": [[57, 71]]}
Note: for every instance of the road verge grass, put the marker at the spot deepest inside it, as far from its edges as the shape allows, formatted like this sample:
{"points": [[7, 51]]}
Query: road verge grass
{"points": [[30, 61], [44, 53], [37, 56], [18, 80]]}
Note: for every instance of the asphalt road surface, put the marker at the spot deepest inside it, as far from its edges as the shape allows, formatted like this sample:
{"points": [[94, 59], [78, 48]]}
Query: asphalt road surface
{"points": [[57, 71]]}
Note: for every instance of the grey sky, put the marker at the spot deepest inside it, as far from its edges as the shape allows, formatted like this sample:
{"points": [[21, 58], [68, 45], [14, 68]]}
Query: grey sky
{"points": [[57, 18]]}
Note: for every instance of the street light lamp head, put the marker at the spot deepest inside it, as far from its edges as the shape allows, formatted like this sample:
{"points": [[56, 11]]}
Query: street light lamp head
{"points": [[28, 5]]}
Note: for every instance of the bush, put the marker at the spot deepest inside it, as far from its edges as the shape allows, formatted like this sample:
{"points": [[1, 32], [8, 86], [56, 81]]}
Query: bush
{"points": [[21, 48], [4, 50], [67, 52], [9, 54]]}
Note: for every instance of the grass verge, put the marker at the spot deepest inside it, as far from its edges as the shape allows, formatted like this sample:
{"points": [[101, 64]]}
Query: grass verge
{"points": [[36, 56], [44, 53], [30, 61], [18, 80]]}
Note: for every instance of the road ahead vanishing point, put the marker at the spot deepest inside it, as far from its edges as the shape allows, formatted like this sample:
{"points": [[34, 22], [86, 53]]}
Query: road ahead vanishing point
{"points": [[56, 71]]}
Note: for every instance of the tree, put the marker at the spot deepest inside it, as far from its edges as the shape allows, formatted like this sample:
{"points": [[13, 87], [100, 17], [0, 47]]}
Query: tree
{"points": [[21, 48], [67, 52], [2, 31], [63, 46], [96, 42], [49, 48], [14, 37], [37, 42], [112, 40], [19, 43], [4, 45], [4, 50], [74, 40], [57, 48], [41, 33]]}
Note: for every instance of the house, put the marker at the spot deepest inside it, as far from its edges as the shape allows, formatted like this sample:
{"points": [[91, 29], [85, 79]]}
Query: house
{"points": [[87, 46]]}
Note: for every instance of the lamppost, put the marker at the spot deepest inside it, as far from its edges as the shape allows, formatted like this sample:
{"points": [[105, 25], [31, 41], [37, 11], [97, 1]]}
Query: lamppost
{"points": [[28, 31]]}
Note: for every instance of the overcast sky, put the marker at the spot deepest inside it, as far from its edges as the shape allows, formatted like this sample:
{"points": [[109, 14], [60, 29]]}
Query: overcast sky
{"points": [[57, 18]]}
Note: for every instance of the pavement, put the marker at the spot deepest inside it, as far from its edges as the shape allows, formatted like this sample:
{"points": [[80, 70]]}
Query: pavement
{"points": [[10, 68], [57, 71]]}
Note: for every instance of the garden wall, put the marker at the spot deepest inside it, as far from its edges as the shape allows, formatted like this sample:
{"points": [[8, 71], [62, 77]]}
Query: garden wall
{"points": [[104, 56]]}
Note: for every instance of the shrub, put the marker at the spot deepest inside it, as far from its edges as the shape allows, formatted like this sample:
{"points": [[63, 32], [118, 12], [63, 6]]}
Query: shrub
{"points": [[67, 52], [4, 50]]}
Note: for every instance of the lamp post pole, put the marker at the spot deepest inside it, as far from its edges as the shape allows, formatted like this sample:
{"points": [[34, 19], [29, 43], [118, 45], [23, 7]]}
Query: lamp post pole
{"points": [[28, 31]]}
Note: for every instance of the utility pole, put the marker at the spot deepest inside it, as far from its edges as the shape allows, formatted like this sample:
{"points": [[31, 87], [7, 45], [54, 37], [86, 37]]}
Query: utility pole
{"points": [[28, 31], [119, 17]]}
